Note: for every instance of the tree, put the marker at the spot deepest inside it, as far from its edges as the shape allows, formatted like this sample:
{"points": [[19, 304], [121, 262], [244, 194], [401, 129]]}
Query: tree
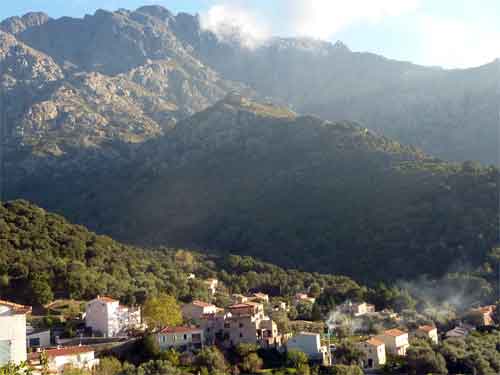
{"points": [[109, 366], [251, 363], [422, 359], [41, 290], [296, 358], [346, 370], [315, 290], [162, 311], [347, 353], [211, 359], [13, 369]]}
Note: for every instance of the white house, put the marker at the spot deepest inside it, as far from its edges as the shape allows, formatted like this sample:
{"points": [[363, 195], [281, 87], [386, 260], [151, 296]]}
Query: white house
{"points": [[373, 353], [37, 338], [395, 340], [310, 344], [427, 332], [211, 285], [13, 332], [106, 316], [196, 309], [182, 338], [81, 357]]}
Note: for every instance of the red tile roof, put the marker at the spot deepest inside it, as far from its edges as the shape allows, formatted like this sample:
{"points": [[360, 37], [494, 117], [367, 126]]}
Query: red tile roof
{"points": [[426, 328], [63, 351], [202, 304], [180, 330], [374, 341], [245, 305], [16, 308], [394, 332]]}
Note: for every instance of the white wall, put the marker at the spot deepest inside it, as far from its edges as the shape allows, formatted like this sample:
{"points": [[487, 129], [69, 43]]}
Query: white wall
{"points": [[13, 335]]}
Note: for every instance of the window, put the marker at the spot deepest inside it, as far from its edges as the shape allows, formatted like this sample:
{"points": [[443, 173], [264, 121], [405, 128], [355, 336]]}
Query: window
{"points": [[34, 342], [185, 337], [241, 334], [5, 348], [241, 325]]}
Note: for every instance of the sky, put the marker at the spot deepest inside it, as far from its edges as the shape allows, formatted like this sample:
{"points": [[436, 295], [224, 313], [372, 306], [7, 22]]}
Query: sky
{"points": [[448, 33]]}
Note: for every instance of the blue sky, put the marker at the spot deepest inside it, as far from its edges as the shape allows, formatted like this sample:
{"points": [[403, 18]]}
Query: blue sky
{"points": [[449, 33]]}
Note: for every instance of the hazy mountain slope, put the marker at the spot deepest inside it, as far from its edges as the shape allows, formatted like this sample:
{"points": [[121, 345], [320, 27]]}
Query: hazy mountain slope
{"points": [[450, 113], [299, 191]]}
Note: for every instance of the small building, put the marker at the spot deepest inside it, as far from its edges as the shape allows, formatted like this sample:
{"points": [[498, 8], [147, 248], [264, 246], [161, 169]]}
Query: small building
{"points": [[213, 326], [246, 323], [303, 297], [239, 298], [211, 285], [13, 332], [105, 316], [281, 306], [483, 316], [373, 351], [196, 309], [395, 340], [427, 332], [357, 308], [460, 331], [61, 358], [180, 338], [37, 338], [310, 344], [259, 297]]}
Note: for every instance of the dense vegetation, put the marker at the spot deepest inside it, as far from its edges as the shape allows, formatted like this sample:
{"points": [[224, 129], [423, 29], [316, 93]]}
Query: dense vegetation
{"points": [[297, 191], [42, 257]]}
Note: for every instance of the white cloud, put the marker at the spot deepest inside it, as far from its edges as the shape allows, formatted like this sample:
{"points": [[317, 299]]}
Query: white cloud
{"points": [[310, 18], [456, 44], [323, 18], [230, 19]]}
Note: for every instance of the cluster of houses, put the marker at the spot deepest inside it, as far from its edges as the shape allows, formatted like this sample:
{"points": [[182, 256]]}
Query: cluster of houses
{"points": [[244, 321], [392, 341], [19, 342]]}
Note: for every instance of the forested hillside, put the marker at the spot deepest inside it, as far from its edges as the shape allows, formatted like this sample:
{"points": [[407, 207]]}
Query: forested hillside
{"points": [[259, 180], [43, 256]]}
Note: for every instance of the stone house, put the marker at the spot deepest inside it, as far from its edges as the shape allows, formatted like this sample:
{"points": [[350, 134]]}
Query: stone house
{"points": [[193, 311], [373, 351]]}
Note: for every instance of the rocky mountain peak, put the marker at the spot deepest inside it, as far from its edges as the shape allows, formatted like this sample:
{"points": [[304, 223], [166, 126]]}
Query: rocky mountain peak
{"points": [[16, 25]]}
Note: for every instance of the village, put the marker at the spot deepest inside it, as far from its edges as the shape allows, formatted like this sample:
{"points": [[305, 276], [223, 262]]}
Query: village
{"points": [[246, 320]]}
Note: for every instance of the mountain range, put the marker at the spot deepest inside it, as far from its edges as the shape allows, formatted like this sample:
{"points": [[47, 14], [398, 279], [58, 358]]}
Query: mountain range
{"points": [[143, 125]]}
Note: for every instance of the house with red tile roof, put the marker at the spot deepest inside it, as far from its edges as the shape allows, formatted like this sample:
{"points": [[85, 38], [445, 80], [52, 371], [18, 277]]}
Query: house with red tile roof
{"points": [[180, 338], [193, 311], [12, 332], [396, 341], [427, 332], [61, 358], [374, 355]]}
